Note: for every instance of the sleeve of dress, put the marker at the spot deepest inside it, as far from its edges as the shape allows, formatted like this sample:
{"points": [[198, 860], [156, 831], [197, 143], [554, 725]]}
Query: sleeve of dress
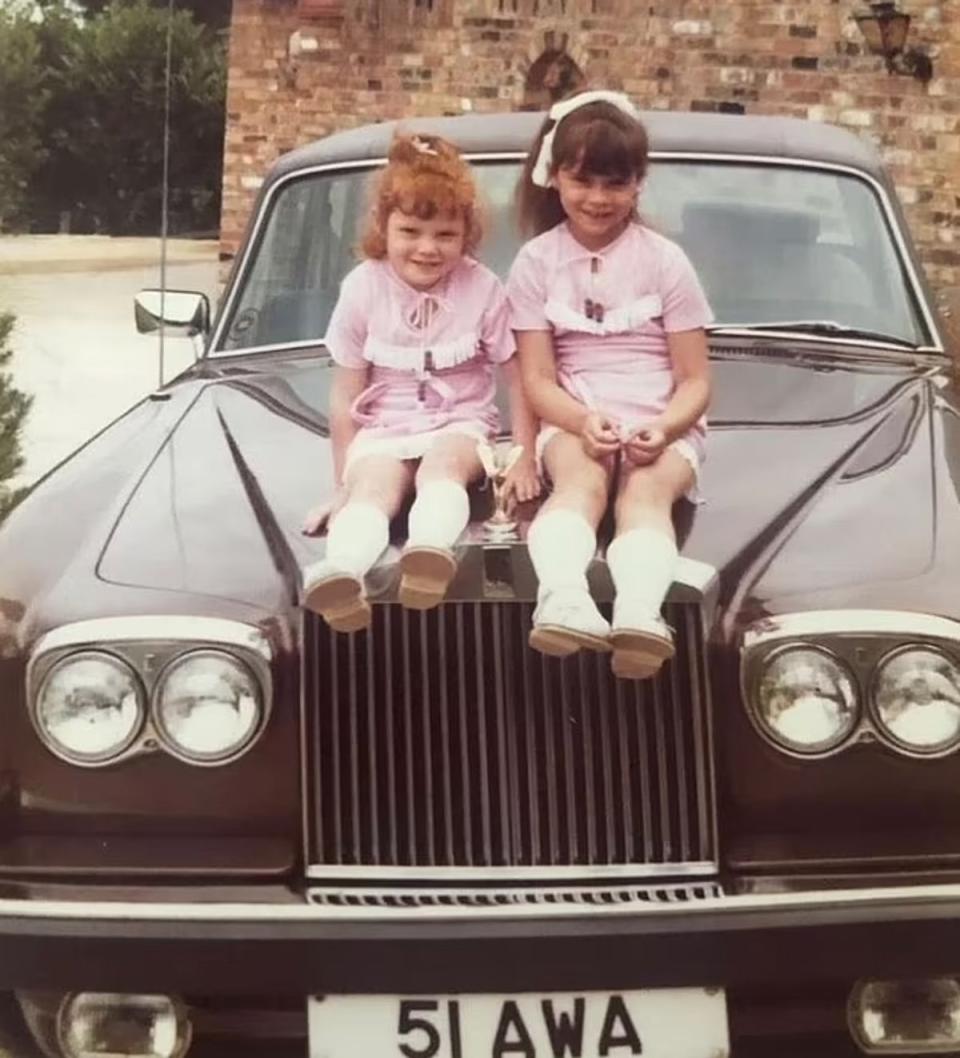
{"points": [[685, 306], [526, 294], [495, 333], [347, 331]]}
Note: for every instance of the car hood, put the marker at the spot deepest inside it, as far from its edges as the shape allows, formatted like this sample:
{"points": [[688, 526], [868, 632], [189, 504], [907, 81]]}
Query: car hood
{"points": [[824, 479]]}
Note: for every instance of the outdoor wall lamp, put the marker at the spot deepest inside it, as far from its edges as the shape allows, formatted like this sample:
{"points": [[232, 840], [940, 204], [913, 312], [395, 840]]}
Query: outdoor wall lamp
{"points": [[885, 30]]}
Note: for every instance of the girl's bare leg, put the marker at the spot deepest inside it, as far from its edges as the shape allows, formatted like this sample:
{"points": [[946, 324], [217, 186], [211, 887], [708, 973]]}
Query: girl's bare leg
{"points": [[642, 560], [562, 542], [359, 533], [437, 518]]}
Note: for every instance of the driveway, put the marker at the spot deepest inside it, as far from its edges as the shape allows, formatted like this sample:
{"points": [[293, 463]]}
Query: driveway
{"points": [[76, 348]]}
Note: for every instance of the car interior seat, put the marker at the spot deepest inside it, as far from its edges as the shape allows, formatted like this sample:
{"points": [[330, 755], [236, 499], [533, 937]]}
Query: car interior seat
{"points": [[763, 264]]}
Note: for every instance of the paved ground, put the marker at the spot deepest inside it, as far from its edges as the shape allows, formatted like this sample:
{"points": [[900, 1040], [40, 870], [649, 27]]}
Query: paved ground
{"points": [[76, 348]]}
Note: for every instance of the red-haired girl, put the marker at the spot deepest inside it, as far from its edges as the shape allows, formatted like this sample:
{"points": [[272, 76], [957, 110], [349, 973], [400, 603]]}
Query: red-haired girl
{"points": [[415, 335]]}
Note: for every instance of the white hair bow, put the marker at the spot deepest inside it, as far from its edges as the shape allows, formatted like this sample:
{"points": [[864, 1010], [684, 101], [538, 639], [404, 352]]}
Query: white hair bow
{"points": [[540, 174], [422, 146]]}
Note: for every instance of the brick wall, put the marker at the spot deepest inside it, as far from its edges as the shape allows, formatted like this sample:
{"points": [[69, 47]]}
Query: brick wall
{"points": [[293, 78]]}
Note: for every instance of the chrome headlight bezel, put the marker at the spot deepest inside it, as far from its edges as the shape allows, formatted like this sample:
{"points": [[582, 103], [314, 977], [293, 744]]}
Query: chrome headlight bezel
{"points": [[816, 750], [58, 748], [170, 743], [864, 641], [149, 645], [883, 728]]}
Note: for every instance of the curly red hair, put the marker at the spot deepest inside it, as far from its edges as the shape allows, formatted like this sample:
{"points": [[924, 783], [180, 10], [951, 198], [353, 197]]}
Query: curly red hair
{"points": [[424, 176]]}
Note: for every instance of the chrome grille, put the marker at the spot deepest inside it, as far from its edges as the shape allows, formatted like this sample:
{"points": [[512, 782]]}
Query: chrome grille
{"points": [[440, 740]]}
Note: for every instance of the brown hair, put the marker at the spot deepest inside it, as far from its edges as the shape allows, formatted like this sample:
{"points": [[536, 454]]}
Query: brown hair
{"points": [[424, 176], [598, 139]]}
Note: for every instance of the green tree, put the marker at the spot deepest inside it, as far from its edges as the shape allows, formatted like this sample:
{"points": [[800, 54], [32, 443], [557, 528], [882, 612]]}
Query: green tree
{"points": [[14, 406], [213, 13], [105, 120], [22, 100]]}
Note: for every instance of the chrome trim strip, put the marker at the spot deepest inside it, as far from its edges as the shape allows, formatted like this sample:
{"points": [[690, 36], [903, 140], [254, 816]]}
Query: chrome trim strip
{"points": [[596, 872], [906, 262], [902, 623], [744, 330], [925, 897], [585, 895], [171, 628]]}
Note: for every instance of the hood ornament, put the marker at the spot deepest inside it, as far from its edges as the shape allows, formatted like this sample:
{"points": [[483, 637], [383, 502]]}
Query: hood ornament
{"points": [[497, 461]]}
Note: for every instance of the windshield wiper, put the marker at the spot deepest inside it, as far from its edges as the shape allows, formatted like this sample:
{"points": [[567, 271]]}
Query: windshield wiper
{"points": [[826, 327]]}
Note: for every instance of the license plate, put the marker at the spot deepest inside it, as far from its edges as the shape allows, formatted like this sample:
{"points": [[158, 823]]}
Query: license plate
{"points": [[657, 1023]]}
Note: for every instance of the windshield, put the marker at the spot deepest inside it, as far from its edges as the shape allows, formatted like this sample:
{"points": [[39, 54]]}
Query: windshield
{"points": [[771, 243]]}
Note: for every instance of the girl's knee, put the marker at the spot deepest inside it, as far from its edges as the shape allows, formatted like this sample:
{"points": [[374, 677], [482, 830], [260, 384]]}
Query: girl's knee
{"points": [[589, 496], [458, 465], [383, 486], [645, 489]]}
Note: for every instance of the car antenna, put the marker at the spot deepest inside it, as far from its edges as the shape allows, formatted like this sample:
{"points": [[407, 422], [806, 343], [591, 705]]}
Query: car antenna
{"points": [[165, 185]]}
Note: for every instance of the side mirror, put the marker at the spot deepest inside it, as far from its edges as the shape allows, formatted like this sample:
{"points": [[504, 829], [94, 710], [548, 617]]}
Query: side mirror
{"points": [[181, 313], [948, 301]]}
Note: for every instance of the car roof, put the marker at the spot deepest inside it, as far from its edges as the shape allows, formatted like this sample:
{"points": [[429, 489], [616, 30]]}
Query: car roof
{"points": [[669, 131]]}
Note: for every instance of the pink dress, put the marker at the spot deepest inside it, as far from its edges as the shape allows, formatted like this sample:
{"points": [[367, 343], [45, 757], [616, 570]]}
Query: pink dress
{"points": [[430, 355], [615, 359]]}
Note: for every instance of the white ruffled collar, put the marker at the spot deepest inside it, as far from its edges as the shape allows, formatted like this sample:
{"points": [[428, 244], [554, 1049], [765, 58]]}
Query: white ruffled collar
{"points": [[615, 321]]}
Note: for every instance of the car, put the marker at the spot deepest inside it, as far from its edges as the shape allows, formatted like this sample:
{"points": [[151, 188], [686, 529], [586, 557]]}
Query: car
{"points": [[224, 827]]}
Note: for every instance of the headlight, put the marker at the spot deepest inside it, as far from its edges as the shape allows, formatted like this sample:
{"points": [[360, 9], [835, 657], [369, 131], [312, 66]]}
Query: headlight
{"points": [[916, 695], [92, 1024], [207, 706], [805, 699], [89, 707]]}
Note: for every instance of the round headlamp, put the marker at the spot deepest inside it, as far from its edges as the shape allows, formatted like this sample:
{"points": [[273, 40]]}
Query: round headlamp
{"points": [[805, 699], [916, 696], [208, 706], [89, 707]]}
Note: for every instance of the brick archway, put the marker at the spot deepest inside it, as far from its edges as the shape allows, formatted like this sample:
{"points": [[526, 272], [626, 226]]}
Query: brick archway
{"points": [[551, 76]]}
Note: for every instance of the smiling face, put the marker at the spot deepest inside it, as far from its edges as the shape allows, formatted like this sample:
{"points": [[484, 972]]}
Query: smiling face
{"points": [[423, 252], [598, 208]]}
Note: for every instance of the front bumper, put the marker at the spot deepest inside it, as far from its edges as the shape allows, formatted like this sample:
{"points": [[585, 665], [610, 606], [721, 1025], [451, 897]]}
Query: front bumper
{"points": [[297, 948]]}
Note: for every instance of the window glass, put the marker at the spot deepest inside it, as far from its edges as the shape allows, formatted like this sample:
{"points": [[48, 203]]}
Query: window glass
{"points": [[770, 243]]}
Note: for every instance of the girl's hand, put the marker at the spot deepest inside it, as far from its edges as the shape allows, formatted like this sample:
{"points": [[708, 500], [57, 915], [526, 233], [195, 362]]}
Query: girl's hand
{"points": [[522, 482], [599, 435], [318, 518], [645, 446]]}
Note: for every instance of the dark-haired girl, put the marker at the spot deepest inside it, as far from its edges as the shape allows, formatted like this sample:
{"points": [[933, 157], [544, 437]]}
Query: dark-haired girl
{"points": [[609, 318]]}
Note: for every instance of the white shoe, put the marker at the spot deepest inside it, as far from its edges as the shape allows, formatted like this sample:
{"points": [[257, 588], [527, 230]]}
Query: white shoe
{"points": [[567, 619], [641, 641], [337, 596]]}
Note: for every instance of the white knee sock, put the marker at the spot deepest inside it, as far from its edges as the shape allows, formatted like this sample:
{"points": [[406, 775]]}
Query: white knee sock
{"points": [[562, 544], [357, 537], [439, 515], [642, 563]]}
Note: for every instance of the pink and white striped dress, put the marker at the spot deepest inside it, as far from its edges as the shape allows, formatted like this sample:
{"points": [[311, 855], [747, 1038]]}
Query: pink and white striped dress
{"points": [[430, 355], [619, 363]]}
